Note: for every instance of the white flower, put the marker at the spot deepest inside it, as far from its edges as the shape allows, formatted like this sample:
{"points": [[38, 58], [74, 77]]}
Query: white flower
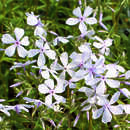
{"points": [[103, 45], [43, 49], [82, 19], [52, 91], [67, 67], [8, 39], [127, 74], [108, 108]]}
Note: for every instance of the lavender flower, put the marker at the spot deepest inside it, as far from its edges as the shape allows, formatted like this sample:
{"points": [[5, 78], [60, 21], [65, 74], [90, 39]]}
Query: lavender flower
{"points": [[8, 39]]}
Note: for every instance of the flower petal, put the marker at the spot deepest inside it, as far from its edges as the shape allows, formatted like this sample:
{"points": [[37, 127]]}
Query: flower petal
{"points": [[77, 12], [116, 110], [88, 11], [107, 117], [25, 41], [97, 113], [113, 83], [82, 27], [43, 89], [48, 100], [33, 52], [41, 60], [22, 52], [59, 98], [51, 54], [91, 20], [50, 83], [32, 20], [64, 58], [10, 50], [45, 74], [19, 32], [72, 21], [115, 97], [7, 39]]}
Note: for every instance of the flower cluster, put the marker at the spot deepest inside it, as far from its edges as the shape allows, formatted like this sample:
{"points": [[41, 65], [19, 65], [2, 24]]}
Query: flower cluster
{"points": [[98, 79]]}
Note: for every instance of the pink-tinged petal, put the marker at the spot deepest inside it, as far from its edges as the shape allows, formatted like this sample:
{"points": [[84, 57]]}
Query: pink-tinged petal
{"points": [[88, 11], [7, 39], [59, 98], [33, 52], [50, 83], [10, 50], [41, 60], [107, 117], [77, 12], [48, 100], [43, 89], [64, 58], [72, 21], [82, 27], [116, 110], [101, 88], [91, 20], [39, 43], [22, 52], [115, 97], [113, 83], [97, 45], [25, 41], [19, 32], [45, 74], [97, 113], [51, 54]]}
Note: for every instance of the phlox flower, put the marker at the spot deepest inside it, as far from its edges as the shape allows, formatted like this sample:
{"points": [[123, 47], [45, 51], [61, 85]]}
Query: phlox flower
{"points": [[52, 91], [82, 19], [43, 49], [4, 109], [101, 82], [108, 109], [67, 67], [103, 45], [127, 74], [8, 39], [91, 70], [34, 20]]}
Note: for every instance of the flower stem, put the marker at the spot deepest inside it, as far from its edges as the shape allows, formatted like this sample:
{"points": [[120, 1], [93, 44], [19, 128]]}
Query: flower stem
{"points": [[90, 120]]}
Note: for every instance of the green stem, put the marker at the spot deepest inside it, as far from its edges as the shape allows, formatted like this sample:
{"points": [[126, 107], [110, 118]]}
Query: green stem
{"points": [[90, 120]]}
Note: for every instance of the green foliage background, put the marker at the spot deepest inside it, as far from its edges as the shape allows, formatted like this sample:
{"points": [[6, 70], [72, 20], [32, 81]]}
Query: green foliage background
{"points": [[54, 14]]}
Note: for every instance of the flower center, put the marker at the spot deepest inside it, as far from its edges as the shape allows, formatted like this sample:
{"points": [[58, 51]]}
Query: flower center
{"points": [[42, 49], [52, 91], [17, 43], [81, 18]]}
